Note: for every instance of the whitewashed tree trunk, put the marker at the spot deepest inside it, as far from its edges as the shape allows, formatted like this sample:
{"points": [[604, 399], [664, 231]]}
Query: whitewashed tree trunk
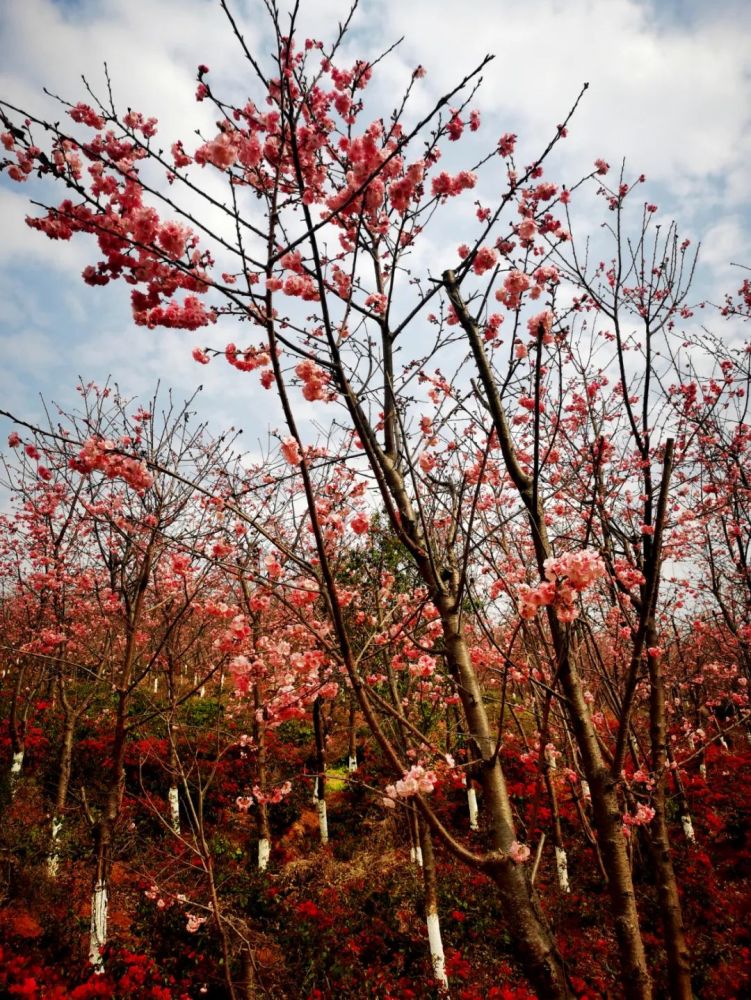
{"points": [[586, 794], [156, 683], [436, 950], [174, 809], [323, 820], [561, 865], [703, 770], [472, 805], [352, 764], [53, 858], [315, 791], [202, 692], [264, 852], [688, 828], [98, 933], [15, 771], [435, 941]]}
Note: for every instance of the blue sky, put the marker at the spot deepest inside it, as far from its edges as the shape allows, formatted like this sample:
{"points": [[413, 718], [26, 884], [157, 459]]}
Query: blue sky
{"points": [[670, 90]]}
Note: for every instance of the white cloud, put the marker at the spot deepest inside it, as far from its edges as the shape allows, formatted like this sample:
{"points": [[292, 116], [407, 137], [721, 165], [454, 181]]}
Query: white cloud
{"points": [[673, 96]]}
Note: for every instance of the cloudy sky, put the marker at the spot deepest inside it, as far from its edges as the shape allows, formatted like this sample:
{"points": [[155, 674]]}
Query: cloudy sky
{"points": [[670, 90]]}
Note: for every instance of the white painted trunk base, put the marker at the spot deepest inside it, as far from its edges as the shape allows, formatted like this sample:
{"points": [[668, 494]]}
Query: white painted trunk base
{"points": [[323, 820], [703, 771], [352, 764], [98, 934], [174, 809], [53, 858], [436, 949], [415, 856], [202, 692], [586, 794], [156, 684], [561, 865], [688, 829], [315, 790], [264, 852], [473, 811], [15, 771]]}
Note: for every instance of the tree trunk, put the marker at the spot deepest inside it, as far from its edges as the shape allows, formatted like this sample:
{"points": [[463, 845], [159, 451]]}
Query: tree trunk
{"points": [[262, 815], [679, 962], [605, 806], [532, 939], [104, 829], [352, 758], [320, 788], [472, 806], [63, 781], [561, 861], [432, 919]]}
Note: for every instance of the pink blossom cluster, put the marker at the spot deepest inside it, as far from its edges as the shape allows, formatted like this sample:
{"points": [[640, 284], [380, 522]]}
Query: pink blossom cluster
{"points": [[446, 186], [566, 576], [194, 922], [99, 454], [291, 451], [627, 574], [315, 381], [516, 283], [424, 666], [274, 797], [360, 524], [416, 781], [519, 853], [247, 360], [643, 815]]}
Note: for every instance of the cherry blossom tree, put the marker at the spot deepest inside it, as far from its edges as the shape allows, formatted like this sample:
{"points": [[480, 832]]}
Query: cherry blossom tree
{"points": [[503, 416]]}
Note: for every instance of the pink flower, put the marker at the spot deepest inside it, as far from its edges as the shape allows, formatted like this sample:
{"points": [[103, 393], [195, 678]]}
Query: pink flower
{"points": [[527, 229], [514, 285], [415, 781], [194, 922], [377, 302], [602, 166], [291, 451], [485, 258], [360, 524], [580, 569], [455, 127], [13, 440], [541, 325], [519, 853], [200, 356]]}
